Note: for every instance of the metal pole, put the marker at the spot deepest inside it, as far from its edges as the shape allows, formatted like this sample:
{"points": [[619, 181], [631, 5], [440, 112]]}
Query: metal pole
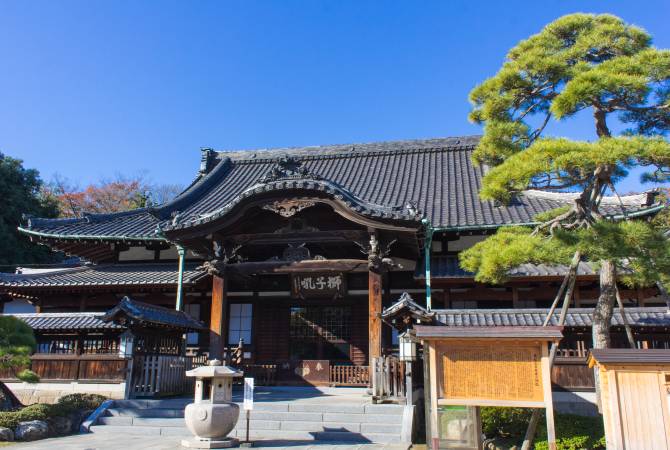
{"points": [[427, 249], [179, 305]]}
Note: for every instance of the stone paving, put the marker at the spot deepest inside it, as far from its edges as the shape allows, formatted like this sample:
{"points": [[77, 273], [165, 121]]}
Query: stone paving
{"points": [[94, 441]]}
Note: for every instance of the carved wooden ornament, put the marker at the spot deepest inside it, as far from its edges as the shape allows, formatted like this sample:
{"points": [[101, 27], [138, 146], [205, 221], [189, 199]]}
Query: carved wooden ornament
{"points": [[289, 208]]}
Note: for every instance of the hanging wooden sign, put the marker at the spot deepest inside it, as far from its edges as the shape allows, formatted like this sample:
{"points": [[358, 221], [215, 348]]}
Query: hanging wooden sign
{"points": [[324, 285]]}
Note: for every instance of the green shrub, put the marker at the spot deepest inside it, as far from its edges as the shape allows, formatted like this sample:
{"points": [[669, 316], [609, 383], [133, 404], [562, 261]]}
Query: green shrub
{"points": [[505, 422], [42, 411], [38, 411], [77, 402], [28, 376], [574, 433]]}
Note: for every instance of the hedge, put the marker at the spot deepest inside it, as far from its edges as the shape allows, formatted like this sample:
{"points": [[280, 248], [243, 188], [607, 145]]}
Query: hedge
{"points": [[42, 411], [572, 432]]}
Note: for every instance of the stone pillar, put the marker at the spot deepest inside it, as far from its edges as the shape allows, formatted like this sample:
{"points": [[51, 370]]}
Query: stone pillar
{"points": [[218, 318]]}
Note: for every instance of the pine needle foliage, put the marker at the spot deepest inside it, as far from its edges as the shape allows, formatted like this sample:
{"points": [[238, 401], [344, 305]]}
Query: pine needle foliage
{"points": [[579, 62]]}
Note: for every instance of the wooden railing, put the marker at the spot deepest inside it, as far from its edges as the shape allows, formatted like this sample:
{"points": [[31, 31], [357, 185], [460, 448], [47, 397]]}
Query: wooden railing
{"points": [[64, 367], [263, 374], [349, 375], [159, 375], [388, 379]]}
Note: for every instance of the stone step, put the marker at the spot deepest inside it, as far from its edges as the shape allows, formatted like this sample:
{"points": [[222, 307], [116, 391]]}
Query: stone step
{"points": [[254, 434], [257, 425], [145, 412], [334, 421]]}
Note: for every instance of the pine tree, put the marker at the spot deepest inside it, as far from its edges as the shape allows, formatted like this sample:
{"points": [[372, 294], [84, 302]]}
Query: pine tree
{"points": [[580, 62]]}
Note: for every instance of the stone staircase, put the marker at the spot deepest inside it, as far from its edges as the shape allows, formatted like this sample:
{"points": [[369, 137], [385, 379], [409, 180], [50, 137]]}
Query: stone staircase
{"points": [[283, 420]]}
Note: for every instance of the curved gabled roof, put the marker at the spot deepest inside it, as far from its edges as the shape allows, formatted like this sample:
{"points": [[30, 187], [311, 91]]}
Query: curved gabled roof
{"points": [[402, 180]]}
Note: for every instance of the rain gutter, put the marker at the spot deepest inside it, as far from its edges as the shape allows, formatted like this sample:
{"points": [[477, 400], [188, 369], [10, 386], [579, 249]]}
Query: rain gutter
{"points": [[179, 305], [428, 244], [90, 237]]}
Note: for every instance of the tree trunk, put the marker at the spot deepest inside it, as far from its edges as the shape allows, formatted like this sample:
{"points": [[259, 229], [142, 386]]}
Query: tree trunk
{"points": [[602, 315]]}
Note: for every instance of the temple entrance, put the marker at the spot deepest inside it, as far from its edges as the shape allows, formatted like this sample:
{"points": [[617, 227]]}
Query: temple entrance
{"points": [[320, 333]]}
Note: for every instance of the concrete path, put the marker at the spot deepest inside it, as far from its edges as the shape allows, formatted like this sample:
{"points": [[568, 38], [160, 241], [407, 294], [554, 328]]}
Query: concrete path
{"points": [[94, 441]]}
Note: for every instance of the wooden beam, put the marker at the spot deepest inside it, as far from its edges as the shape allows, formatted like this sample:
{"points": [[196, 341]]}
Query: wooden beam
{"points": [[515, 298], [218, 318], [374, 315], [548, 398]]}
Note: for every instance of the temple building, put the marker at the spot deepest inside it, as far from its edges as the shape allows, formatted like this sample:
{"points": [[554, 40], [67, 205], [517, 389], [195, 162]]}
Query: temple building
{"points": [[297, 251]]}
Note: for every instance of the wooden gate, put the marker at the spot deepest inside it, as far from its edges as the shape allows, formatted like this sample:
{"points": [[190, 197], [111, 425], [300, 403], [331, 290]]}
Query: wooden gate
{"points": [[159, 376], [388, 379]]}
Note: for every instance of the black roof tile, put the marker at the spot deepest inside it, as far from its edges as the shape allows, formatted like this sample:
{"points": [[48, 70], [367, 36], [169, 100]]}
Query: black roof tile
{"points": [[448, 267], [146, 314], [67, 321], [378, 179], [141, 274], [577, 317]]}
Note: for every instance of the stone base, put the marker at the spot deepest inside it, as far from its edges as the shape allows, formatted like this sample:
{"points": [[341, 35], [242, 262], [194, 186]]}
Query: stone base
{"points": [[43, 392], [210, 443]]}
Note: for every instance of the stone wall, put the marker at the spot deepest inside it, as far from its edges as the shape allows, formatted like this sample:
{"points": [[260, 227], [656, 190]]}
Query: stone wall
{"points": [[30, 393]]}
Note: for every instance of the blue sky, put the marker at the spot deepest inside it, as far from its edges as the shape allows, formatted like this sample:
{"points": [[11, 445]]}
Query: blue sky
{"points": [[90, 89]]}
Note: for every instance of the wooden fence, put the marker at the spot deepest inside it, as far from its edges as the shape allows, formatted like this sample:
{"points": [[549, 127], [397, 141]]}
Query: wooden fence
{"points": [[388, 379], [159, 375], [572, 374], [341, 375], [67, 367]]}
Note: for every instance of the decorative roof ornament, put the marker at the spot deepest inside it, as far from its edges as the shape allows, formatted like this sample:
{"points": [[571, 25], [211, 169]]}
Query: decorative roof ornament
{"points": [[378, 259], [296, 253], [223, 254], [289, 207], [287, 167], [412, 209]]}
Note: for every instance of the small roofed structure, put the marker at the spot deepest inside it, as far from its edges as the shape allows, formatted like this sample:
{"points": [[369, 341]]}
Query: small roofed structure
{"points": [[405, 312], [635, 395], [132, 313], [101, 347]]}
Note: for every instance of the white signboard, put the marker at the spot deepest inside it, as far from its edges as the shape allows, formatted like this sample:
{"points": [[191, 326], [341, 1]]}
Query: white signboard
{"points": [[248, 394]]}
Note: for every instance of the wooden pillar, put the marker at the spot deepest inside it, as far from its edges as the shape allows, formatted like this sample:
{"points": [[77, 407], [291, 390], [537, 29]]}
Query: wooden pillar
{"points": [[218, 318], [446, 297], [577, 296], [374, 315], [82, 302], [515, 298]]}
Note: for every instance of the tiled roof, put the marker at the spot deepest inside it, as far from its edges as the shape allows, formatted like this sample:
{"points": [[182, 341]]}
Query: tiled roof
{"points": [[131, 274], [67, 321], [144, 313], [631, 356], [577, 317], [501, 332], [447, 267], [385, 180]]}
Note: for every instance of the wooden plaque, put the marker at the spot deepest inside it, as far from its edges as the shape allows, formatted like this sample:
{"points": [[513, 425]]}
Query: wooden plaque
{"points": [[493, 371], [310, 285]]}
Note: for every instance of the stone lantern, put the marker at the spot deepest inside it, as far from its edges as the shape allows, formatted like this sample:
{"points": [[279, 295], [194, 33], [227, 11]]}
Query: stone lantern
{"points": [[213, 414]]}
